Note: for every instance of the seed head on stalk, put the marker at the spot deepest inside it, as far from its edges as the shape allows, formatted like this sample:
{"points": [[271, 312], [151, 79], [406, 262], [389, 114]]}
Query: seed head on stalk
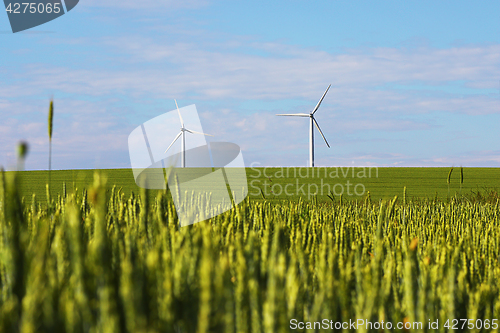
{"points": [[51, 118], [22, 151]]}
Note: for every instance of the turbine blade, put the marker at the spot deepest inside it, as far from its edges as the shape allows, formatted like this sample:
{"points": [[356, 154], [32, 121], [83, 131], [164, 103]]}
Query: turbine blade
{"points": [[194, 132], [321, 100], [182, 121], [319, 129], [178, 135], [295, 114]]}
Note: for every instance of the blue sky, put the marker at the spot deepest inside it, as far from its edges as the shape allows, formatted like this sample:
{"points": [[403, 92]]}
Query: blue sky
{"points": [[414, 83]]}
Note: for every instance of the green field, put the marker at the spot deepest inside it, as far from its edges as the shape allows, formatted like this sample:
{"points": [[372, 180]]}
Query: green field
{"points": [[293, 183], [109, 262]]}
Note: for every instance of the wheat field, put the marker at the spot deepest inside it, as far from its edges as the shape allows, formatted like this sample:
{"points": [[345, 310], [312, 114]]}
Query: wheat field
{"points": [[98, 260]]}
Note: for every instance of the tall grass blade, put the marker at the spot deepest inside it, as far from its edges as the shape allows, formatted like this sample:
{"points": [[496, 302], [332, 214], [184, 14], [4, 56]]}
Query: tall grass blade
{"points": [[50, 128]]}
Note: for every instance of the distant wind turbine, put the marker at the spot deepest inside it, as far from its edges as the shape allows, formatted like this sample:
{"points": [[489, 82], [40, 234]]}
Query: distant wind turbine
{"points": [[183, 141], [311, 127]]}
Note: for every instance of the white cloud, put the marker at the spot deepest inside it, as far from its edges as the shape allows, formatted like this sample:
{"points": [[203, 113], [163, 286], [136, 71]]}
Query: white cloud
{"points": [[359, 79], [362, 97], [469, 158]]}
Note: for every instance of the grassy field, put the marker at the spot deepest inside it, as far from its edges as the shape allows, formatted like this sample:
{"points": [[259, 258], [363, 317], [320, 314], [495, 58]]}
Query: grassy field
{"points": [[293, 183], [107, 262]]}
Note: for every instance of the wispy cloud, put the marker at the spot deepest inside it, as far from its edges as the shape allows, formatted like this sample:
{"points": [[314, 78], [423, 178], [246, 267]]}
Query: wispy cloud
{"points": [[358, 78], [372, 90], [147, 4]]}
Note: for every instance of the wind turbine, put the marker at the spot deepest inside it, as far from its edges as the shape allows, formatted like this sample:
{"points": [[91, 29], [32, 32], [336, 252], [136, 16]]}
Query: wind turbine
{"points": [[311, 127], [183, 141]]}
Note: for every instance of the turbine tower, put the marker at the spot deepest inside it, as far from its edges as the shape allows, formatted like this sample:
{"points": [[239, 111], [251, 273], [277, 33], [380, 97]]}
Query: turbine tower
{"points": [[312, 122], [183, 141]]}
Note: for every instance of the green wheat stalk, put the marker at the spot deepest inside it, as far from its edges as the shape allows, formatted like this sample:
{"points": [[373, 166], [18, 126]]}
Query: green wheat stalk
{"points": [[461, 178], [404, 196], [51, 123], [2, 198], [448, 180]]}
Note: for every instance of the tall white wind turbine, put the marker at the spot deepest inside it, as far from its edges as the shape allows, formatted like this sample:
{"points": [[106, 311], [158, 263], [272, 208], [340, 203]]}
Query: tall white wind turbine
{"points": [[183, 141], [311, 127]]}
